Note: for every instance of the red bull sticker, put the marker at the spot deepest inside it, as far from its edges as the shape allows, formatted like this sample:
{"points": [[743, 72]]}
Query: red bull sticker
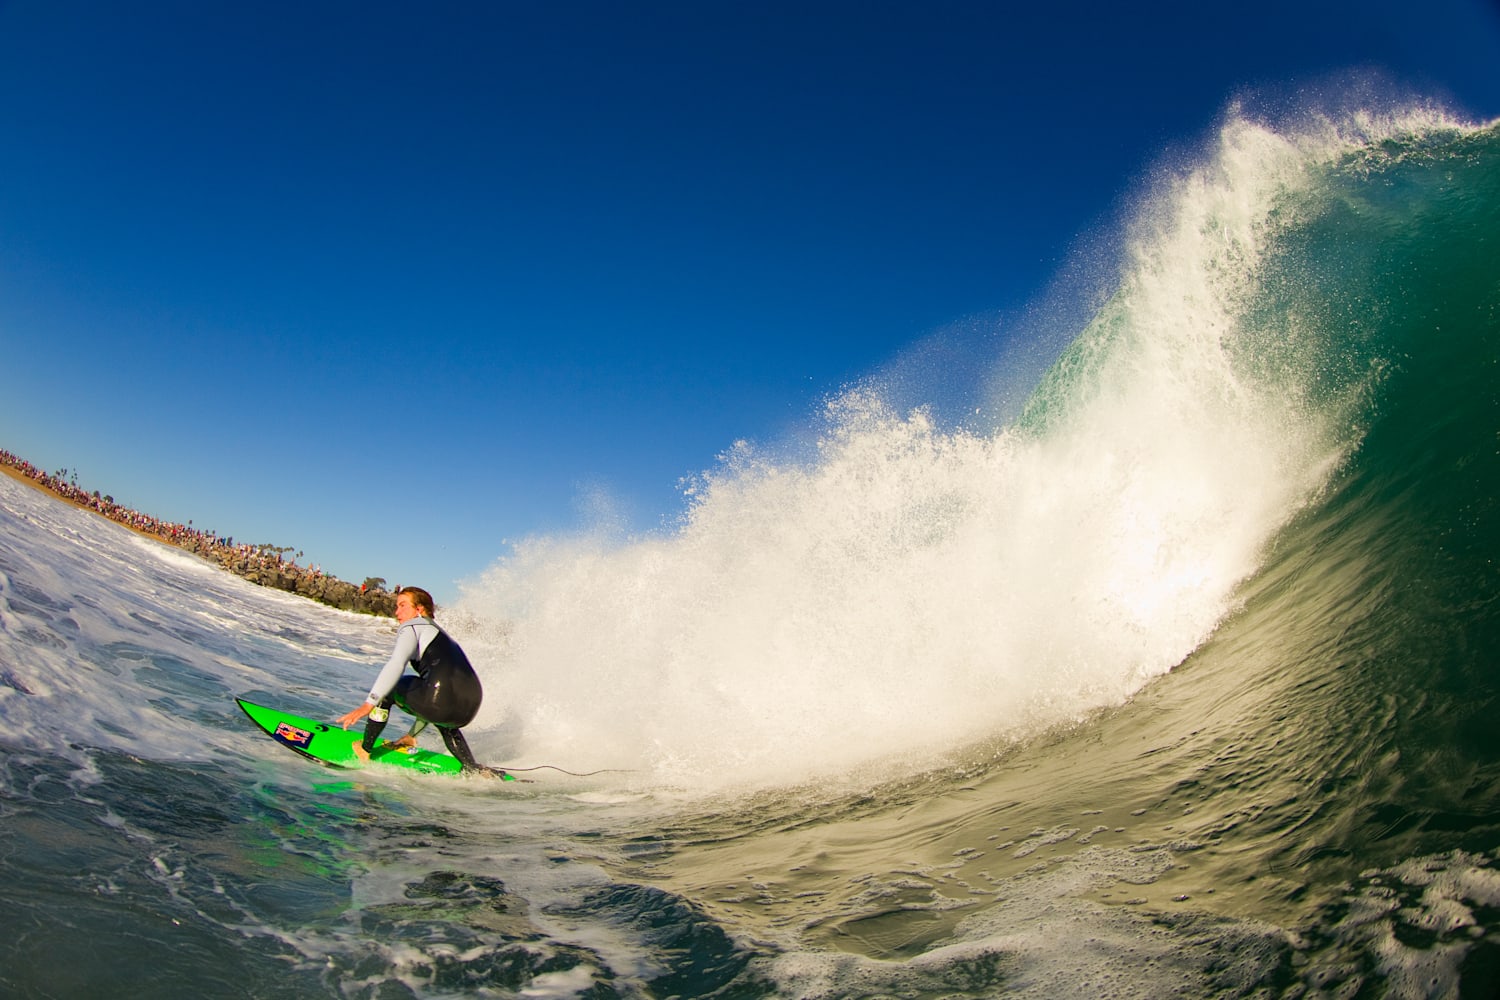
{"points": [[292, 736]]}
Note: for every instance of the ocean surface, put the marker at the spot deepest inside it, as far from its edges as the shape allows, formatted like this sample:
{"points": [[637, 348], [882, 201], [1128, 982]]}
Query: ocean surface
{"points": [[1179, 679]]}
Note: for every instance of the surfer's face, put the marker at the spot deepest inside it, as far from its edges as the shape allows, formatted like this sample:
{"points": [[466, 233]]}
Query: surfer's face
{"points": [[405, 608]]}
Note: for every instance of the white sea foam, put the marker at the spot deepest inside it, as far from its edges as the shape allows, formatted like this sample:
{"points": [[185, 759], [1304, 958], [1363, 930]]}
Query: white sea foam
{"points": [[909, 587], [912, 586]]}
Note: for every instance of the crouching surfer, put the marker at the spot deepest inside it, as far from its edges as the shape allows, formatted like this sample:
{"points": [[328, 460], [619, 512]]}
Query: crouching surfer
{"points": [[444, 692]]}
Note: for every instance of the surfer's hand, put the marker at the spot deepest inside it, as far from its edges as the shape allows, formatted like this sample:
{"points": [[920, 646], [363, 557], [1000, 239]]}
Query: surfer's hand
{"points": [[350, 718]]}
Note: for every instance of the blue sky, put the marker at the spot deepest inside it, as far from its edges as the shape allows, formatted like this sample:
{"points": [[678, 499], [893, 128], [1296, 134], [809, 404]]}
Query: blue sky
{"points": [[397, 284]]}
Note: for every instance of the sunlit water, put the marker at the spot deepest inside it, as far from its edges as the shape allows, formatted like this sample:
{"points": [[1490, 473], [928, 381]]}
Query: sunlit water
{"points": [[1175, 685]]}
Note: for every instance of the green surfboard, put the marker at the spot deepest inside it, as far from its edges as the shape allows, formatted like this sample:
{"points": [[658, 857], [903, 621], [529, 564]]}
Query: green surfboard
{"points": [[331, 746]]}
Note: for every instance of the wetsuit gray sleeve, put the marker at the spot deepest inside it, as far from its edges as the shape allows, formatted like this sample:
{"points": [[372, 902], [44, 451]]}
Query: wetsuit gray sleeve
{"points": [[406, 650]]}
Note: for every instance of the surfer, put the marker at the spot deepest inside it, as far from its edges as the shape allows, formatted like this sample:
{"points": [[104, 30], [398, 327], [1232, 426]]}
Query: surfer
{"points": [[444, 692]]}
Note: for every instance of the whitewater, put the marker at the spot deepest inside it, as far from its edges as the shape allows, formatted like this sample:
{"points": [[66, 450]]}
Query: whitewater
{"points": [[1168, 679]]}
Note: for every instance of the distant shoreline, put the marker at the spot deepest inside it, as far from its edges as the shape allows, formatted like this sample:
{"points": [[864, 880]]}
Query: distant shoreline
{"points": [[40, 487], [264, 565]]}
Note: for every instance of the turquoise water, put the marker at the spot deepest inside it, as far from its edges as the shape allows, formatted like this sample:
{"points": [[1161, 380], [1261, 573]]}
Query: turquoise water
{"points": [[1181, 684]]}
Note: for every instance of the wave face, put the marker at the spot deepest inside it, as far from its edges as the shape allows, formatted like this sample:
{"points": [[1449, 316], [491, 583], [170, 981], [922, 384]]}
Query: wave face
{"points": [[1178, 683], [909, 587]]}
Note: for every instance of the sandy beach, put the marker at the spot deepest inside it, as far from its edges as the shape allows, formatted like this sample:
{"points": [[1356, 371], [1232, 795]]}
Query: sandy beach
{"points": [[21, 477]]}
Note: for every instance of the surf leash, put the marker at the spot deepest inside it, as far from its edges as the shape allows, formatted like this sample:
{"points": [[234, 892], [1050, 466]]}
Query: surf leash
{"points": [[576, 774]]}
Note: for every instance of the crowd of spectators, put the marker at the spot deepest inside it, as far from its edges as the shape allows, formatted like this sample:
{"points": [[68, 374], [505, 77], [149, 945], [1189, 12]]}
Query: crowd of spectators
{"points": [[267, 565]]}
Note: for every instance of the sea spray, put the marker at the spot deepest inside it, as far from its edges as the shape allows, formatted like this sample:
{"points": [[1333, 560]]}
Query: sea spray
{"points": [[911, 586], [1303, 807]]}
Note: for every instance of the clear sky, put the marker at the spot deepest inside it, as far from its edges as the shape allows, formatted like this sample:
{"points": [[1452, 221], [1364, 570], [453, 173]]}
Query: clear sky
{"points": [[398, 283]]}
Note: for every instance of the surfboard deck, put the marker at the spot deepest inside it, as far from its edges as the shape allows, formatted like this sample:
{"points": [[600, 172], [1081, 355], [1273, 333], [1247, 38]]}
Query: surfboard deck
{"points": [[332, 746]]}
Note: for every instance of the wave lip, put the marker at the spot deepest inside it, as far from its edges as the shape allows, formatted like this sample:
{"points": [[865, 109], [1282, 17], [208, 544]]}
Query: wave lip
{"points": [[906, 587]]}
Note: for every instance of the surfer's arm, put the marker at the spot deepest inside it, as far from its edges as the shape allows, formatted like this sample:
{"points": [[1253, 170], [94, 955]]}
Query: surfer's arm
{"points": [[404, 653], [350, 718]]}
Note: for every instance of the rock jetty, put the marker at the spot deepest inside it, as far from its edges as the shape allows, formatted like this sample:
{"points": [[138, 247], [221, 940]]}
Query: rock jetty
{"points": [[263, 564]]}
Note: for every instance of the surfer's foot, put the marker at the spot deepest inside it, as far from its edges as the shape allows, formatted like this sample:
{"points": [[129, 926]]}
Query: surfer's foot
{"points": [[361, 752], [406, 742]]}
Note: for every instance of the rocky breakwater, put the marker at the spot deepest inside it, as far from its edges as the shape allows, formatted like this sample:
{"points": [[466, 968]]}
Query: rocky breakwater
{"points": [[263, 565], [266, 565]]}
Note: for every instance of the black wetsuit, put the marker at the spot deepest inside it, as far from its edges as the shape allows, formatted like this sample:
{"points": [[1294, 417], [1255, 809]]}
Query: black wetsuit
{"points": [[445, 691]]}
